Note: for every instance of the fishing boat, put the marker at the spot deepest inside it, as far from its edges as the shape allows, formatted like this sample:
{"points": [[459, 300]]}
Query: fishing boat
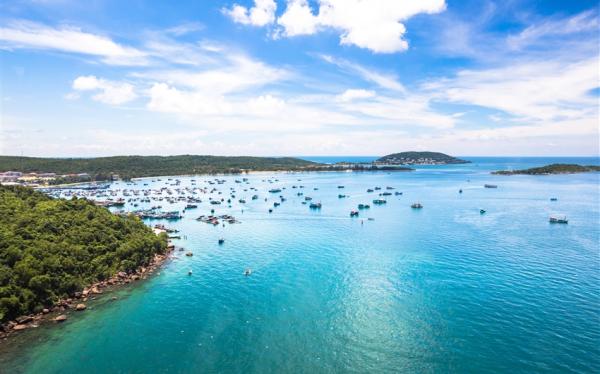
{"points": [[558, 219], [417, 206]]}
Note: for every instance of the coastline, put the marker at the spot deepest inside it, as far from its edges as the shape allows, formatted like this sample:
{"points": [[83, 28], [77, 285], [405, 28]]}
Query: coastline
{"points": [[62, 309]]}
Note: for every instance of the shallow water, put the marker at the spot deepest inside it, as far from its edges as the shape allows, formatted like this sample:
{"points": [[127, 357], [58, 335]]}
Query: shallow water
{"points": [[440, 289]]}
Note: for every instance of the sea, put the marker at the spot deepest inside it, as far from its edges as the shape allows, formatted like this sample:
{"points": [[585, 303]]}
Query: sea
{"points": [[442, 289]]}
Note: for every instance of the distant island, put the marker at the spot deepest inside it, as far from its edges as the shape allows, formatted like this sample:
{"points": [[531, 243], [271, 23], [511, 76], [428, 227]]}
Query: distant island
{"points": [[419, 158], [551, 169], [54, 171]]}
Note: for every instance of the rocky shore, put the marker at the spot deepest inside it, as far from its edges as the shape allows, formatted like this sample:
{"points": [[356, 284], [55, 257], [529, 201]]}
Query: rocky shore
{"points": [[61, 310]]}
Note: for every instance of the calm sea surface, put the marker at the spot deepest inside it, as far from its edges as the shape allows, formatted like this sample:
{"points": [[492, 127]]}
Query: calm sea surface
{"points": [[441, 289]]}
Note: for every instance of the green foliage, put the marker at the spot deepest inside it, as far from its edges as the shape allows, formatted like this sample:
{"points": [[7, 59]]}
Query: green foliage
{"points": [[51, 248], [127, 167], [552, 169], [415, 157]]}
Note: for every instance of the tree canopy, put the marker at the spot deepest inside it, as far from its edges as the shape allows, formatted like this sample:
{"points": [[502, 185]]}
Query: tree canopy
{"points": [[52, 248]]}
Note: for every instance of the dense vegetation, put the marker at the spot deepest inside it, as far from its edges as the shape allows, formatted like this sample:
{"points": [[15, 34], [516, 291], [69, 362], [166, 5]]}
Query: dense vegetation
{"points": [[52, 248], [420, 158], [101, 168], [552, 169]]}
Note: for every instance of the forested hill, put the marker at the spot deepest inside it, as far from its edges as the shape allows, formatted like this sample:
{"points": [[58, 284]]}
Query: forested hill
{"points": [[420, 158], [101, 168], [52, 248]]}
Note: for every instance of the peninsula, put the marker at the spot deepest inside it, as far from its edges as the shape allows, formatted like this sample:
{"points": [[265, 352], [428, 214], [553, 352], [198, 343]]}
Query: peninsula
{"points": [[419, 158], [55, 252], [551, 169]]}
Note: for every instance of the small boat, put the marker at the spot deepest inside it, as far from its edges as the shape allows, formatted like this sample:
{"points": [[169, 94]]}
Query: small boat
{"points": [[370, 190], [481, 211], [189, 272], [276, 204], [275, 190], [247, 272], [270, 210], [315, 205], [417, 206], [363, 206], [553, 199], [379, 201], [490, 186], [354, 213], [561, 219], [397, 193], [191, 206], [221, 241]]}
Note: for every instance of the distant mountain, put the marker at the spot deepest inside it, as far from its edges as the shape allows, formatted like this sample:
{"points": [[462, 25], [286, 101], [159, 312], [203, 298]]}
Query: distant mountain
{"points": [[419, 158]]}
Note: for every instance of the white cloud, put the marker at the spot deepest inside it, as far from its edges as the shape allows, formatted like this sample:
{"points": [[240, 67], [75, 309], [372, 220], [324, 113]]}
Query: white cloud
{"points": [[109, 92], [261, 14], [372, 24], [531, 90], [31, 35], [538, 32], [298, 19], [355, 94], [389, 82]]}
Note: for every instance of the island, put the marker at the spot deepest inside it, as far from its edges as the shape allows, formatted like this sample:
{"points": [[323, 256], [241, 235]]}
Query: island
{"points": [[419, 158], [37, 171], [55, 253], [551, 169]]}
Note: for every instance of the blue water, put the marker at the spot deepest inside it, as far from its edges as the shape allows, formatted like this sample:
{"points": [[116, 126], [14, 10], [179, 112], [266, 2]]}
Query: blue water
{"points": [[442, 289]]}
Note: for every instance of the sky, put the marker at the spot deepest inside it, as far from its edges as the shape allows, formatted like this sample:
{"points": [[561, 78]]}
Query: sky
{"points": [[299, 77]]}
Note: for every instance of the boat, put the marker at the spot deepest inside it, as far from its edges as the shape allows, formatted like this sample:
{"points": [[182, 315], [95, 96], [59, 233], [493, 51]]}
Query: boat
{"points": [[191, 206], [481, 211], [275, 190], [189, 254], [189, 272], [379, 201], [247, 272], [417, 206], [315, 205], [369, 190], [460, 191], [397, 193], [490, 186], [221, 241], [558, 219], [363, 206], [553, 199], [354, 213], [340, 196]]}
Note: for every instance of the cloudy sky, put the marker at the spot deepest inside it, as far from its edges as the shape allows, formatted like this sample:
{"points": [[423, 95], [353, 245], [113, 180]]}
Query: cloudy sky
{"points": [[298, 77]]}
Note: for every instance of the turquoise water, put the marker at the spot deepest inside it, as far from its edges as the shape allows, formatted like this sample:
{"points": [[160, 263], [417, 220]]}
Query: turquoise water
{"points": [[442, 289]]}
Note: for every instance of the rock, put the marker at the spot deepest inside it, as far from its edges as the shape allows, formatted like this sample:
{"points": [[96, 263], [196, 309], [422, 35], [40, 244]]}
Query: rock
{"points": [[122, 274], [135, 277], [60, 318], [80, 307], [20, 327], [95, 290], [85, 292], [45, 310], [77, 295], [24, 319], [113, 298]]}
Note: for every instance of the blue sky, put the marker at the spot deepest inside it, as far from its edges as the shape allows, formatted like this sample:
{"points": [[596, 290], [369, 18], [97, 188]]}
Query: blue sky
{"points": [[297, 77]]}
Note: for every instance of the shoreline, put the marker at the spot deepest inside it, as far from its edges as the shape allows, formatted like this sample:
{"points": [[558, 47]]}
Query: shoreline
{"points": [[63, 308]]}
